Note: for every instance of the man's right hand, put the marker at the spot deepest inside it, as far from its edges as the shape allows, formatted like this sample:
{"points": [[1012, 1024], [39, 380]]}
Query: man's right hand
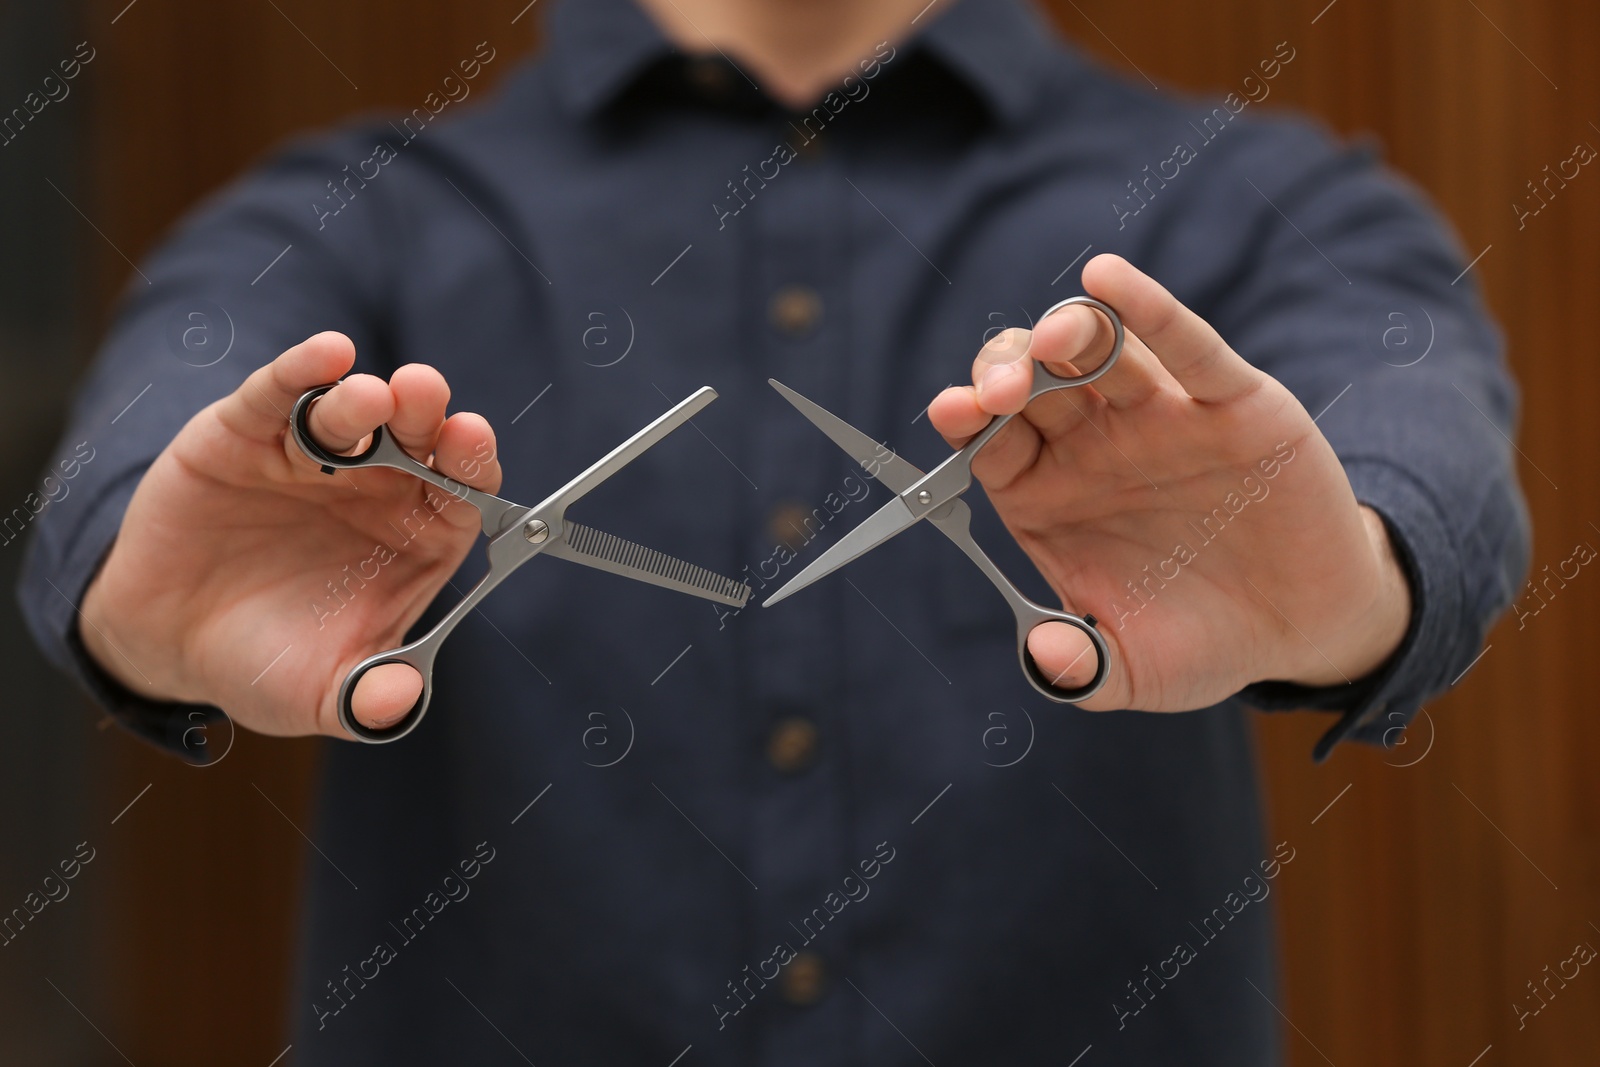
{"points": [[217, 590]]}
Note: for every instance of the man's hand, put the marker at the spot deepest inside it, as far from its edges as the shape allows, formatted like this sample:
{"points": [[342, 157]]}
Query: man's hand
{"points": [[1186, 499], [246, 578]]}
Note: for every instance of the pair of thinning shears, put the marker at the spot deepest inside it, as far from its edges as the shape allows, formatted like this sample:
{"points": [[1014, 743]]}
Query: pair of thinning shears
{"points": [[936, 496], [517, 533]]}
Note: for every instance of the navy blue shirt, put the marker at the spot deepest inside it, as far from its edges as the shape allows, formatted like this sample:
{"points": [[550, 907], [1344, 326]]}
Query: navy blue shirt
{"points": [[843, 831]]}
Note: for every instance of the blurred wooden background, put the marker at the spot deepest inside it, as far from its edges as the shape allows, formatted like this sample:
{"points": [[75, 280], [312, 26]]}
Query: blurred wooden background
{"points": [[1420, 902]]}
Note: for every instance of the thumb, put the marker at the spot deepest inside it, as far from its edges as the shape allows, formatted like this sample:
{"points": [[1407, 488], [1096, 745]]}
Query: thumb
{"points": [[1064, 654], [385, 694]]}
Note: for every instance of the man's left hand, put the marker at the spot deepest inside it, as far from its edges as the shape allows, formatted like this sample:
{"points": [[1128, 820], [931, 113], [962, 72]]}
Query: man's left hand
{"points": [[1186, 498]]}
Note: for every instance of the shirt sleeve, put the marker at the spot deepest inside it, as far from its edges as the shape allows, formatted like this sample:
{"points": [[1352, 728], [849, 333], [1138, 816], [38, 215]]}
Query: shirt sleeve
{"points": [[255, 270], [1351, 291]]}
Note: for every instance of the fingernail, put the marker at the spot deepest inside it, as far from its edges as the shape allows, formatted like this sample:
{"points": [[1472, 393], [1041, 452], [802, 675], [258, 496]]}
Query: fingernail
{"points": [[997, 374], [385, 723]]}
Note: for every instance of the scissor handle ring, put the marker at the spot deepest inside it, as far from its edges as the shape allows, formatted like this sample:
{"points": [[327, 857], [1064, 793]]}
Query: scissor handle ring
{"points": [[1039, 680], [1045, 380], [300, 422], [412, 718]]}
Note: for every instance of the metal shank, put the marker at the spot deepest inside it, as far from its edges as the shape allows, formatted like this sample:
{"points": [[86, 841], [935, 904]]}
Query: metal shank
{"points": [[953, 477], [506, 552], [383, 451], [954, 520]]}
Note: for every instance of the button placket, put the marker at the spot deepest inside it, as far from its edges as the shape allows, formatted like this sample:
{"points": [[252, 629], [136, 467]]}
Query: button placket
{"points": [[794, 310], [796, 228], [792, 744]]}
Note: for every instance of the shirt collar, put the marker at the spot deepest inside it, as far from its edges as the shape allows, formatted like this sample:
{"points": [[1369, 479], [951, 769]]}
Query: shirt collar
{"points": [[998, 48], [598, 48]]}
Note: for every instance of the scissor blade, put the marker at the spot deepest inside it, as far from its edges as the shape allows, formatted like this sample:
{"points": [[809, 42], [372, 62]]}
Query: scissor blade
{"points": [[876, 459], [882, 525], [632, 448], [608, 552]]}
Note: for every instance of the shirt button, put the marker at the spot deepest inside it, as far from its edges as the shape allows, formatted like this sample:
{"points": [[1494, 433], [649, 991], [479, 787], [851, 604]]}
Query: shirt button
{"points": [[787, 526], [792, 745], [809, 151], [708, 74], [805, 979], [795, 310]]}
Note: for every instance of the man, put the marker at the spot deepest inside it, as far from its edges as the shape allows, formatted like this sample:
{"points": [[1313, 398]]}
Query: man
{"points": [[843, 829]]}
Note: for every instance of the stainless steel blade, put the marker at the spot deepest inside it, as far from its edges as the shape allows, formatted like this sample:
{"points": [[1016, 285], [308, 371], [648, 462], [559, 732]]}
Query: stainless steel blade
{"points": [[608, 552], [876, 459], [882, 525], [631, 449]]}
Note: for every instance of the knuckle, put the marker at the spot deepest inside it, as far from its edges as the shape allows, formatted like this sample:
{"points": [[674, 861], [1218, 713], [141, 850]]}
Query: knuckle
{"points": [[1164, 314]]}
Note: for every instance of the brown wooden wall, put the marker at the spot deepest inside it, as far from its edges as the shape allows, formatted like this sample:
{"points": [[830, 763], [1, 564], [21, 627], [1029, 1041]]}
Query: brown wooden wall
{"points": [[1420, 902]]}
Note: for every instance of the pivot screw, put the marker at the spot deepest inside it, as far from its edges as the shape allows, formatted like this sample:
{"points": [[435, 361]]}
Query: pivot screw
{"points": [[536, 531], [924, 497]]}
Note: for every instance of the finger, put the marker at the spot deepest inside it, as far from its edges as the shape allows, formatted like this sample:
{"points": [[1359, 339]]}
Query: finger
{"points": [[956, 414], [1002, 376], [260, 407], [384, 694], [420, 398], [1082, 337], [1009, 453], [1002, 372], [1055, 414], [1064, 653], [1186, 345], [343, 417], [466, 452]]}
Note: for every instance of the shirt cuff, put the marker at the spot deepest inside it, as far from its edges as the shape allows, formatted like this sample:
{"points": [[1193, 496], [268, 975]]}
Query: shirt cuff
{"points": [[1376, 708], [185, 730], [54, 585]]}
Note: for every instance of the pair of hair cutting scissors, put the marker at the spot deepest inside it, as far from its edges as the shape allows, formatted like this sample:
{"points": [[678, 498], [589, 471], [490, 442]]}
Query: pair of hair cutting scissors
{"points": [[936, 496], [517, 533]]}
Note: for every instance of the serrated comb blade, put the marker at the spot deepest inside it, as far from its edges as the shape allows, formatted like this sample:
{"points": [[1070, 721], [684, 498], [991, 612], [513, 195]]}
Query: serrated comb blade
{"points": [[608, 552]]}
